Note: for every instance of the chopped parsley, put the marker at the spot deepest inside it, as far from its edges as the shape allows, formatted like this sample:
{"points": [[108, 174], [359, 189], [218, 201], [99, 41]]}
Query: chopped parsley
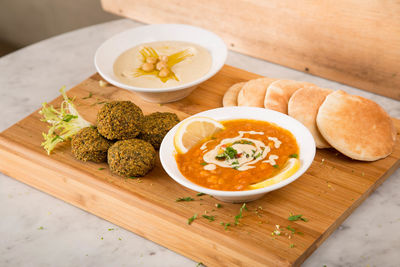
{"points": [[41, 228], [226, 225], [89, 96], [111, 229], [297, 217], [203, 163], [199, 264], [184, 199], [230, 152], [191, 219], [276, 166], [244, 142], [98, 102], [210, 218], [220, 156], [257, 155], [100, 169], [218, 205], [293, 156], [133, 177], [291, 229], [291, 245], [200, 194], [237, 217]]}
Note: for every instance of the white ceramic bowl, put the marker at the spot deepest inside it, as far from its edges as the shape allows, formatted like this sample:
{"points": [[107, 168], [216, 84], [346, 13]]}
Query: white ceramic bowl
{"points": [[303, 136], [108, 52]]}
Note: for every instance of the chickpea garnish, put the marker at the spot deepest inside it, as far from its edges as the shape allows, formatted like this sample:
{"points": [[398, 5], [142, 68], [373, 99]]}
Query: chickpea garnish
{"points": [[161, 65], [163, 59], [151, 60], [164, 72], [147, 67]]}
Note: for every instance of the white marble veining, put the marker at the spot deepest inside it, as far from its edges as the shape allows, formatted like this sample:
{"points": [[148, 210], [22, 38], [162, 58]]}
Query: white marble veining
{"points": [[39, 230]]}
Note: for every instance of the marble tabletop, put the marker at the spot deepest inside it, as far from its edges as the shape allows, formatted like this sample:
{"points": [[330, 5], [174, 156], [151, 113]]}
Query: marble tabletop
{"points": [[37, 229]]}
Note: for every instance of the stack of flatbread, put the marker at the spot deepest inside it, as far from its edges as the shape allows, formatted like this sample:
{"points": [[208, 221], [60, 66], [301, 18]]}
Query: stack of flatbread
{"points": [[357, 127]]}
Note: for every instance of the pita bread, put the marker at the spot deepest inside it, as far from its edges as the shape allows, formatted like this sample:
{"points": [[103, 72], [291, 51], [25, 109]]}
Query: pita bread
{"points": [[253, 92], [304, 105], [356, 126], [230, 96], [279, 92]]}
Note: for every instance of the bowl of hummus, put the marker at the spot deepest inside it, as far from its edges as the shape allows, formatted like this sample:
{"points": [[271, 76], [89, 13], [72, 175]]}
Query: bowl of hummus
{"points": [[161, 63]]}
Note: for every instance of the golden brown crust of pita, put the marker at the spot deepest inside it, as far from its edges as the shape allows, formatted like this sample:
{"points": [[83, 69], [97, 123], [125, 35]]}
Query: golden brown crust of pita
{"points": [[357, 127], [279, 92], [253, 92], [230, 96], [304, 105]]}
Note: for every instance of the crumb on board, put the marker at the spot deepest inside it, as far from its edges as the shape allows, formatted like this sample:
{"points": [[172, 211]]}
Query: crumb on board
{"points": [[102, 83]]}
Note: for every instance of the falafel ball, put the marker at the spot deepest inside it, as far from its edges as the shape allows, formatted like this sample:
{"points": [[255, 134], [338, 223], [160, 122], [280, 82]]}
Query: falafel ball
{"points": [[156, 125], [89, 145], [133, 157], [119, 120]]}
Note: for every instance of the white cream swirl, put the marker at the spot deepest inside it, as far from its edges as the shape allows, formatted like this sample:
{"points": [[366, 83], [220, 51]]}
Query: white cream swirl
{"points": [[239, 152]]}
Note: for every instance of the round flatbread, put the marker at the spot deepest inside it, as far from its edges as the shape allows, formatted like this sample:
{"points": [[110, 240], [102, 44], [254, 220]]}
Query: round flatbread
{"points": [[231, 95], [304, 105], [253, 92], [279, 92], [357, 127]]}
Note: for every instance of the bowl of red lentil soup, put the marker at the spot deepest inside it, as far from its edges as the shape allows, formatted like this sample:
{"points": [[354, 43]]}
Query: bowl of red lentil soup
{"points": [[255, 147]]}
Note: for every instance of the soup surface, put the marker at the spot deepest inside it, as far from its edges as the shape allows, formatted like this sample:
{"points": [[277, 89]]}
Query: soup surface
{"points": [[162, 64], [244, 153]]}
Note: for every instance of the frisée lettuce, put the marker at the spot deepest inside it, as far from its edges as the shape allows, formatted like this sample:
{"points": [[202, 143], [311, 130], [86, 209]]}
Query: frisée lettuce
{"points": [[64, 123]]}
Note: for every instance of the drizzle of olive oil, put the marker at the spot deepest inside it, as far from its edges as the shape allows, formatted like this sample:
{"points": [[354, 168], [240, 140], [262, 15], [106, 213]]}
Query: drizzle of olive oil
{"points": [[172, 61]]}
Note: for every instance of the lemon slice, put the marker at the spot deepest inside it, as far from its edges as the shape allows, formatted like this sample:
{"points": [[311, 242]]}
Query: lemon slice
{"points": [[194, 130], [290, 168]]}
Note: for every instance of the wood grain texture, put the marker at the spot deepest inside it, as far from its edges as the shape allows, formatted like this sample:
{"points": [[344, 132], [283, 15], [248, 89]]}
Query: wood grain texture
{"points": [[354, 42], [326, 194]]}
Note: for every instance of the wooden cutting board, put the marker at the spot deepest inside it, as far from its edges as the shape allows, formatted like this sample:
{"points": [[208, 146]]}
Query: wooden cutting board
{"points": [[326, 194]]}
